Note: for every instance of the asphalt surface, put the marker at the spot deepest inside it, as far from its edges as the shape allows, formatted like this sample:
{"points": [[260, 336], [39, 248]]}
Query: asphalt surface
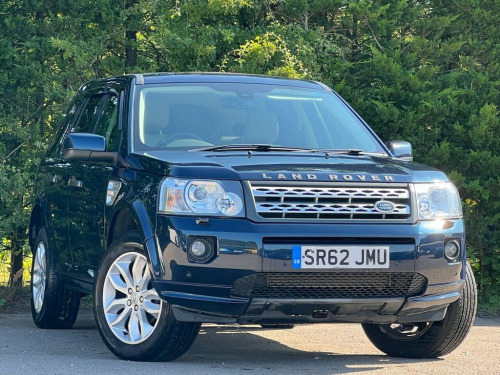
{"points": [[249, 350]]}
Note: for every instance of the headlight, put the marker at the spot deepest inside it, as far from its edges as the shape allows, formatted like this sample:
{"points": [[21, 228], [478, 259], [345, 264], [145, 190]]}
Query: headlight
{"points": [[438, 201], [201, 197]]}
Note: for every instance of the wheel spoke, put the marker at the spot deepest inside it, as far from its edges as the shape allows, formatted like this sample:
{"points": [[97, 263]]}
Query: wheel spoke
{"points": [[406, 332], [37, 278], [120, 319], [152, 308], [40, 257], [38, 298], [118, 283], [134, 327], [123, 269], [139, 271], [150, 305], [146, 327], [116, 305], [143, 285], [37, 283], [43, 263]]}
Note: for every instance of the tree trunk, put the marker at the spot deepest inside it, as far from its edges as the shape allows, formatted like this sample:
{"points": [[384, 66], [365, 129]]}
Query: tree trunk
{"points": [[16, 263], [131, 49], [131, 37]]}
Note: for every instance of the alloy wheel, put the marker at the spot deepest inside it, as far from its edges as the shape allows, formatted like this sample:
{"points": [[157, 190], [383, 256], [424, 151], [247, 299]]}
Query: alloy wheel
{"points": [[131, 306], [39, 277], [406, 332]]}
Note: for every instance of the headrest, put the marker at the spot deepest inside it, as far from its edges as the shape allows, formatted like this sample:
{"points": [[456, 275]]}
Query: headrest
{"points": [[190, 118], [261, 127], [156, 113]]}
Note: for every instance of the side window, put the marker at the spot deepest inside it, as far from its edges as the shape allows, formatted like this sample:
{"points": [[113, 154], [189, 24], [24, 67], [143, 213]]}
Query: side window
{"points": [[89, 115], [107, 123], [100, 116], [68, 118]]}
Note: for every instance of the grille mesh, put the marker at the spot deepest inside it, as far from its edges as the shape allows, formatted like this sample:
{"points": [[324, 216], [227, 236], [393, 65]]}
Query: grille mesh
{"points": [[302, 285], [330, 202]]}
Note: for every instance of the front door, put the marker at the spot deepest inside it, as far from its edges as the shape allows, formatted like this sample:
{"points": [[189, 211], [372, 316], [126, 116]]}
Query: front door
{"points": [[88, 184]]}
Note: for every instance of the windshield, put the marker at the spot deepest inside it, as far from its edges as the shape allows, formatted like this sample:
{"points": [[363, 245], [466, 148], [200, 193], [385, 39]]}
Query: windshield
{"points": [[200, 116]]}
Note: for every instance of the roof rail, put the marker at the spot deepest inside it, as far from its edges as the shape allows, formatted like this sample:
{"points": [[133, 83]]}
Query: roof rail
{"points": [[139, 79]]}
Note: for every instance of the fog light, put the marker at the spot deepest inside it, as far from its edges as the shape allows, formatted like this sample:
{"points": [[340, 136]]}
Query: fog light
{"points": [[452, 250], [200, 250]]}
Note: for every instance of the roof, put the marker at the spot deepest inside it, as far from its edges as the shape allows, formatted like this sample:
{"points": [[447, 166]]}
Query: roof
{"points": [[158, 78]]}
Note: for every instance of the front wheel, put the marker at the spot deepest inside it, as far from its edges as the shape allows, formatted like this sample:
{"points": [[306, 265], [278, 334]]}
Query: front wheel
{"points": [[133, 321], [429, 339]]}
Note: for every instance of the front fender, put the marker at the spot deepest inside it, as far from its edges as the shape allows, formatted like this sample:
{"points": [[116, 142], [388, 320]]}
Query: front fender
{"points": [[137, 215]]}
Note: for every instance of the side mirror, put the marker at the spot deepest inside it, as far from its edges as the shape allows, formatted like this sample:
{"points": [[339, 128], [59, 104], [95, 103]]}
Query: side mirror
{"points": [[86, 147], [401, 150]]}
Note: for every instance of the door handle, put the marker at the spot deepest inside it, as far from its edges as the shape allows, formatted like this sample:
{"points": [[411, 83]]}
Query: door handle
{"points": [[75, 183], [52, 178]]}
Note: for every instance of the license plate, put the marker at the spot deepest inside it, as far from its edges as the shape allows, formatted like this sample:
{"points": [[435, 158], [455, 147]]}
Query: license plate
{"points": [[340, 257]]}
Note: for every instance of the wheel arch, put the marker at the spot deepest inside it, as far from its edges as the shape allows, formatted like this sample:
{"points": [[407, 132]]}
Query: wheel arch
{"points": [[135, 218], [122, 222], [37, 221]]}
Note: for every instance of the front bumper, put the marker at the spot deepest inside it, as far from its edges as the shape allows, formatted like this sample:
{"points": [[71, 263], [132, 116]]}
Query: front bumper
{"points": [[207, 292]]}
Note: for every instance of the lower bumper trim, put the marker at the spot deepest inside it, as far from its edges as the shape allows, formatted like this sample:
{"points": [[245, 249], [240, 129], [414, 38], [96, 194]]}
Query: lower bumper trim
{"points": [[192, 307], [207, 304]]}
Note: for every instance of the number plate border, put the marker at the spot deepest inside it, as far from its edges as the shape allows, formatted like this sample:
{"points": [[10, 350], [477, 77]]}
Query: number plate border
{"points": [[297, 257]]}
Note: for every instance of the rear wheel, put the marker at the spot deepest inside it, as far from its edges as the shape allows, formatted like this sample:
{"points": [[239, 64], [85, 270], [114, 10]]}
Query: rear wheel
{"points": [[52, 304], [429, 339], [133, 321]]}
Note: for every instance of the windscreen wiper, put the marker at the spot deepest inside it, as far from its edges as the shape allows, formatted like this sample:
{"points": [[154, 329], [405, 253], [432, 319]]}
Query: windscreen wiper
{"points": [[352, 152], [254, 147]]}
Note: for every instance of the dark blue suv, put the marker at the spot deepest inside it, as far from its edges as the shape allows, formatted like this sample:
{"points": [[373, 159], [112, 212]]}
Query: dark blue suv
{"points": [[182, 199]]}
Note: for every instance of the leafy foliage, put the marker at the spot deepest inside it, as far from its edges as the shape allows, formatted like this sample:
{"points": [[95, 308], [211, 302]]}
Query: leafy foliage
{"points": [[425, 71]]}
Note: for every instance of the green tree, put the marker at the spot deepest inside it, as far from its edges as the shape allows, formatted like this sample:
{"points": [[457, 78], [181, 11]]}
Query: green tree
{"points": [[425, 71]]}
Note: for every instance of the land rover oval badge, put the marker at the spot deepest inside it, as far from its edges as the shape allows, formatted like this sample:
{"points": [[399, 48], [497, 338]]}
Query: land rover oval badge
{"points": [[384, 206]]}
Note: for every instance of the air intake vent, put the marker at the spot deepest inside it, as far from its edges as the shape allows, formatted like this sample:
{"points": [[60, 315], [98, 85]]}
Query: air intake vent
{"points": [[301, 285]]}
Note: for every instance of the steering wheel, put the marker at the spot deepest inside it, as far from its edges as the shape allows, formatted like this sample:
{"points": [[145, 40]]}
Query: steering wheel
{"points": [[165, 141]]}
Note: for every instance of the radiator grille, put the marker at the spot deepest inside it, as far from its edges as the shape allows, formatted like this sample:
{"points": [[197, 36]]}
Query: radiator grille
{"points": [[331, 202], [301, 285]]}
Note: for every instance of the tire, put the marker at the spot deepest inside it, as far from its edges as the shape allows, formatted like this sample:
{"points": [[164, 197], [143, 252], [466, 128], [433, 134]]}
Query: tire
{"points": [[430, 339], [133, 321], [52, 304]]}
